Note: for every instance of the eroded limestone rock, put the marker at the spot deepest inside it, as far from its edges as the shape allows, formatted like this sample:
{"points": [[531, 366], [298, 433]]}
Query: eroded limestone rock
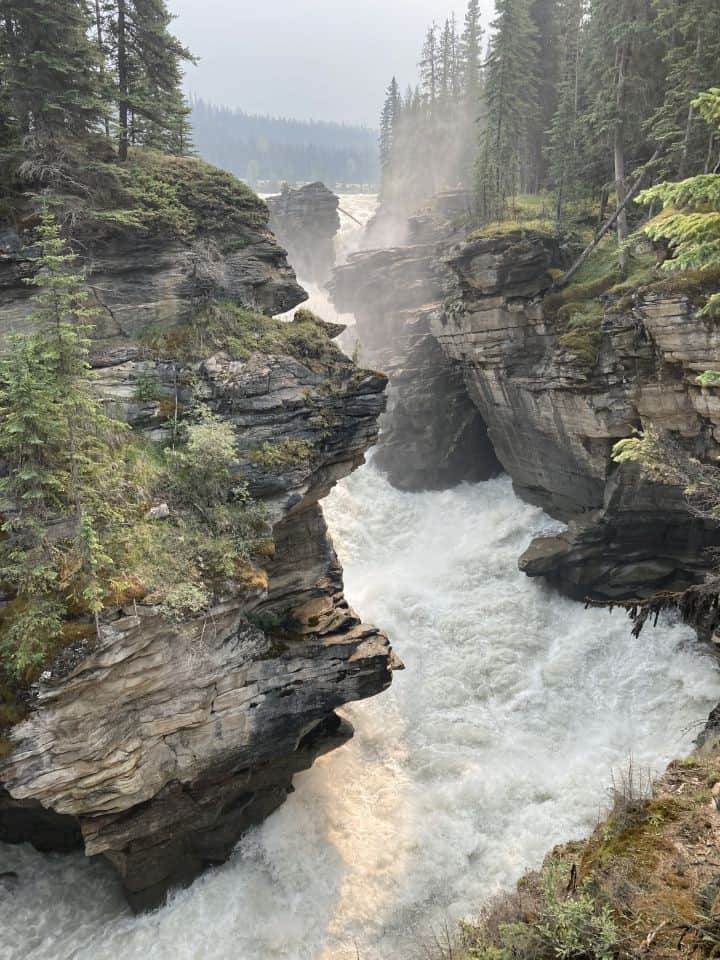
{"points": [[552, 417], [161, 742], [305, 221]]}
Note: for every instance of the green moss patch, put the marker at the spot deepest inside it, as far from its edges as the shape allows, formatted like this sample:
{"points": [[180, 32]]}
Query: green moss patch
{"points": [[240, 333], [284, 453], [176, 196]]}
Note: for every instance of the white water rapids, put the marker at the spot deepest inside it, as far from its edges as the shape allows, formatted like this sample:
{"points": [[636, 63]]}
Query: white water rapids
{"points": [[498, 741]]}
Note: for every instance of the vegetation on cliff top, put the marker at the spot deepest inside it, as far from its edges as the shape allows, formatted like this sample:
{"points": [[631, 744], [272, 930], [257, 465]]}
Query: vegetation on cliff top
{"points": [[79, 532], [172, 197], [641, 885], [240, 332]]}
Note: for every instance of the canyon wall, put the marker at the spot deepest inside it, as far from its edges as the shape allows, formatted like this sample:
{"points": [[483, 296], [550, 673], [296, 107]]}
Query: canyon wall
{"points": [[444, 309], [158, 743], [305, 221]]}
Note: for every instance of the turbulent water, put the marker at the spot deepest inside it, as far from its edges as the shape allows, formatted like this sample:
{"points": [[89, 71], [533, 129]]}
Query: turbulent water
{"points": [[498, 740]]}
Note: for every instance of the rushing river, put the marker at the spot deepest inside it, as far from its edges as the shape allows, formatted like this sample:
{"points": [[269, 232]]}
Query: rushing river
{"points": [[498, 741]]}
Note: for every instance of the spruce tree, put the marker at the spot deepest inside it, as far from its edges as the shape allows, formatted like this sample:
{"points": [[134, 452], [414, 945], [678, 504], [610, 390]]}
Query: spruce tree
{"points": [[690, 32], [563, 151], [388, 128], [55, 443], [448, 56], [511, 104], [50, 84], [430, 66], [146, 60], [625, 72], [472, 56], [689, 221], [545, 16]]}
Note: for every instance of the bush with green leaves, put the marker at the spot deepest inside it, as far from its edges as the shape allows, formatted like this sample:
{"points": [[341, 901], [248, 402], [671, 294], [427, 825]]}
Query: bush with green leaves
{"points": [[574, 927], [548, 921]]}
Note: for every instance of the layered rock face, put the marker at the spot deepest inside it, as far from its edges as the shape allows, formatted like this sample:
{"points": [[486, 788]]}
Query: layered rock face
{"points": [[160, 743], [553, 417], [305, 221], [433, 435]]}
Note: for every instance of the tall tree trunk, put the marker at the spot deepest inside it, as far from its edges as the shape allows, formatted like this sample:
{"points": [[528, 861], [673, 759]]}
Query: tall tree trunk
{"points": [[682, 169], [101, 48], [122, 82], [619, 156]]}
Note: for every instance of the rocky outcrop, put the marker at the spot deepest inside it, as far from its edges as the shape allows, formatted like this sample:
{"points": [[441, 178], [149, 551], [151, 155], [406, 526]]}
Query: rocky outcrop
{"points": [[433, 435], [305, 221], [552, 415], [161, 742]]}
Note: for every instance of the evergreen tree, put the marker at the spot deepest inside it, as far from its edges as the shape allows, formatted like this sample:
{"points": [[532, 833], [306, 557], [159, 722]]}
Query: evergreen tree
{"points": [[690, 32], [146, 60], [689, 222], [545, 16], [388, 128], [54, 440], [448, 56], [624, 71], [430, 66], [471, 55], [563, 140], [51, 70], [511, 104]]}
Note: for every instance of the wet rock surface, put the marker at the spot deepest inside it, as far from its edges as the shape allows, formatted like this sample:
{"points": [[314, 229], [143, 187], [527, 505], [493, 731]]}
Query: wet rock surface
{"points": [[305, 221], [159, 744], [433, 436], [551, 416]]}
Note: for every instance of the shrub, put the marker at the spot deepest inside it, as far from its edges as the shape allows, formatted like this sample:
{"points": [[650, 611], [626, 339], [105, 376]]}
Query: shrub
{"points": [[574, 927], [709, 378], [201, 472], [184, 600], [239, 332], [285, 453], [146, 387]]}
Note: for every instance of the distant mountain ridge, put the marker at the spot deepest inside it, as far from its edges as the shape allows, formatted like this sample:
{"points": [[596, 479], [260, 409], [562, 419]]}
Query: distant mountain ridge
{"points": [[267, 151]]}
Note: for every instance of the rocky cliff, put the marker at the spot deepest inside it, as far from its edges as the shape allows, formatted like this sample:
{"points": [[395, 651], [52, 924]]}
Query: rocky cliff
{"points": [[552, 404], [306, 221], [157, 743], [433, 435]]}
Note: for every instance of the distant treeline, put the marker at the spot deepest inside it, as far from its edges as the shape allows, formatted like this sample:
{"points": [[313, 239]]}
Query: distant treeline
{"points": [[266, 151]]}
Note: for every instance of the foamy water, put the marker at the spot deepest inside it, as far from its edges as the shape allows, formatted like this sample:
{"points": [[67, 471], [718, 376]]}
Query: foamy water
{"points": [[498, 741]]}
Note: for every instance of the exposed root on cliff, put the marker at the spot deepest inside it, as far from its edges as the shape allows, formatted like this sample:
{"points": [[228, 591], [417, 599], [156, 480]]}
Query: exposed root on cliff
{"points": [[698, 606]]}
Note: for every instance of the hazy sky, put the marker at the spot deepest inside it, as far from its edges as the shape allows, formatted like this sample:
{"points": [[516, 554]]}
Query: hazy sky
{"points": [[319, 59]]}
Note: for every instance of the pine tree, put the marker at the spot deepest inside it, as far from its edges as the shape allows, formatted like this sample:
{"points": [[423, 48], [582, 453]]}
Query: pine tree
{"points": [[511, 103], [448, 57], [146, 61], [690, 32], [624, 68], [545, 16], [430, 67], [55, 443], [563, 140], [388, 129], [689, 222], [51, 69], [471, 55]]}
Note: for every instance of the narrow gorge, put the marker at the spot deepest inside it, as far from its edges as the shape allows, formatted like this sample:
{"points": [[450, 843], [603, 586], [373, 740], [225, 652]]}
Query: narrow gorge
{"points": [[359, 480], [393, 838]]}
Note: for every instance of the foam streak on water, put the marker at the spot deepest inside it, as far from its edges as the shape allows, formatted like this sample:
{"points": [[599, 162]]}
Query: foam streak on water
{"points": [[497, 741]]}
